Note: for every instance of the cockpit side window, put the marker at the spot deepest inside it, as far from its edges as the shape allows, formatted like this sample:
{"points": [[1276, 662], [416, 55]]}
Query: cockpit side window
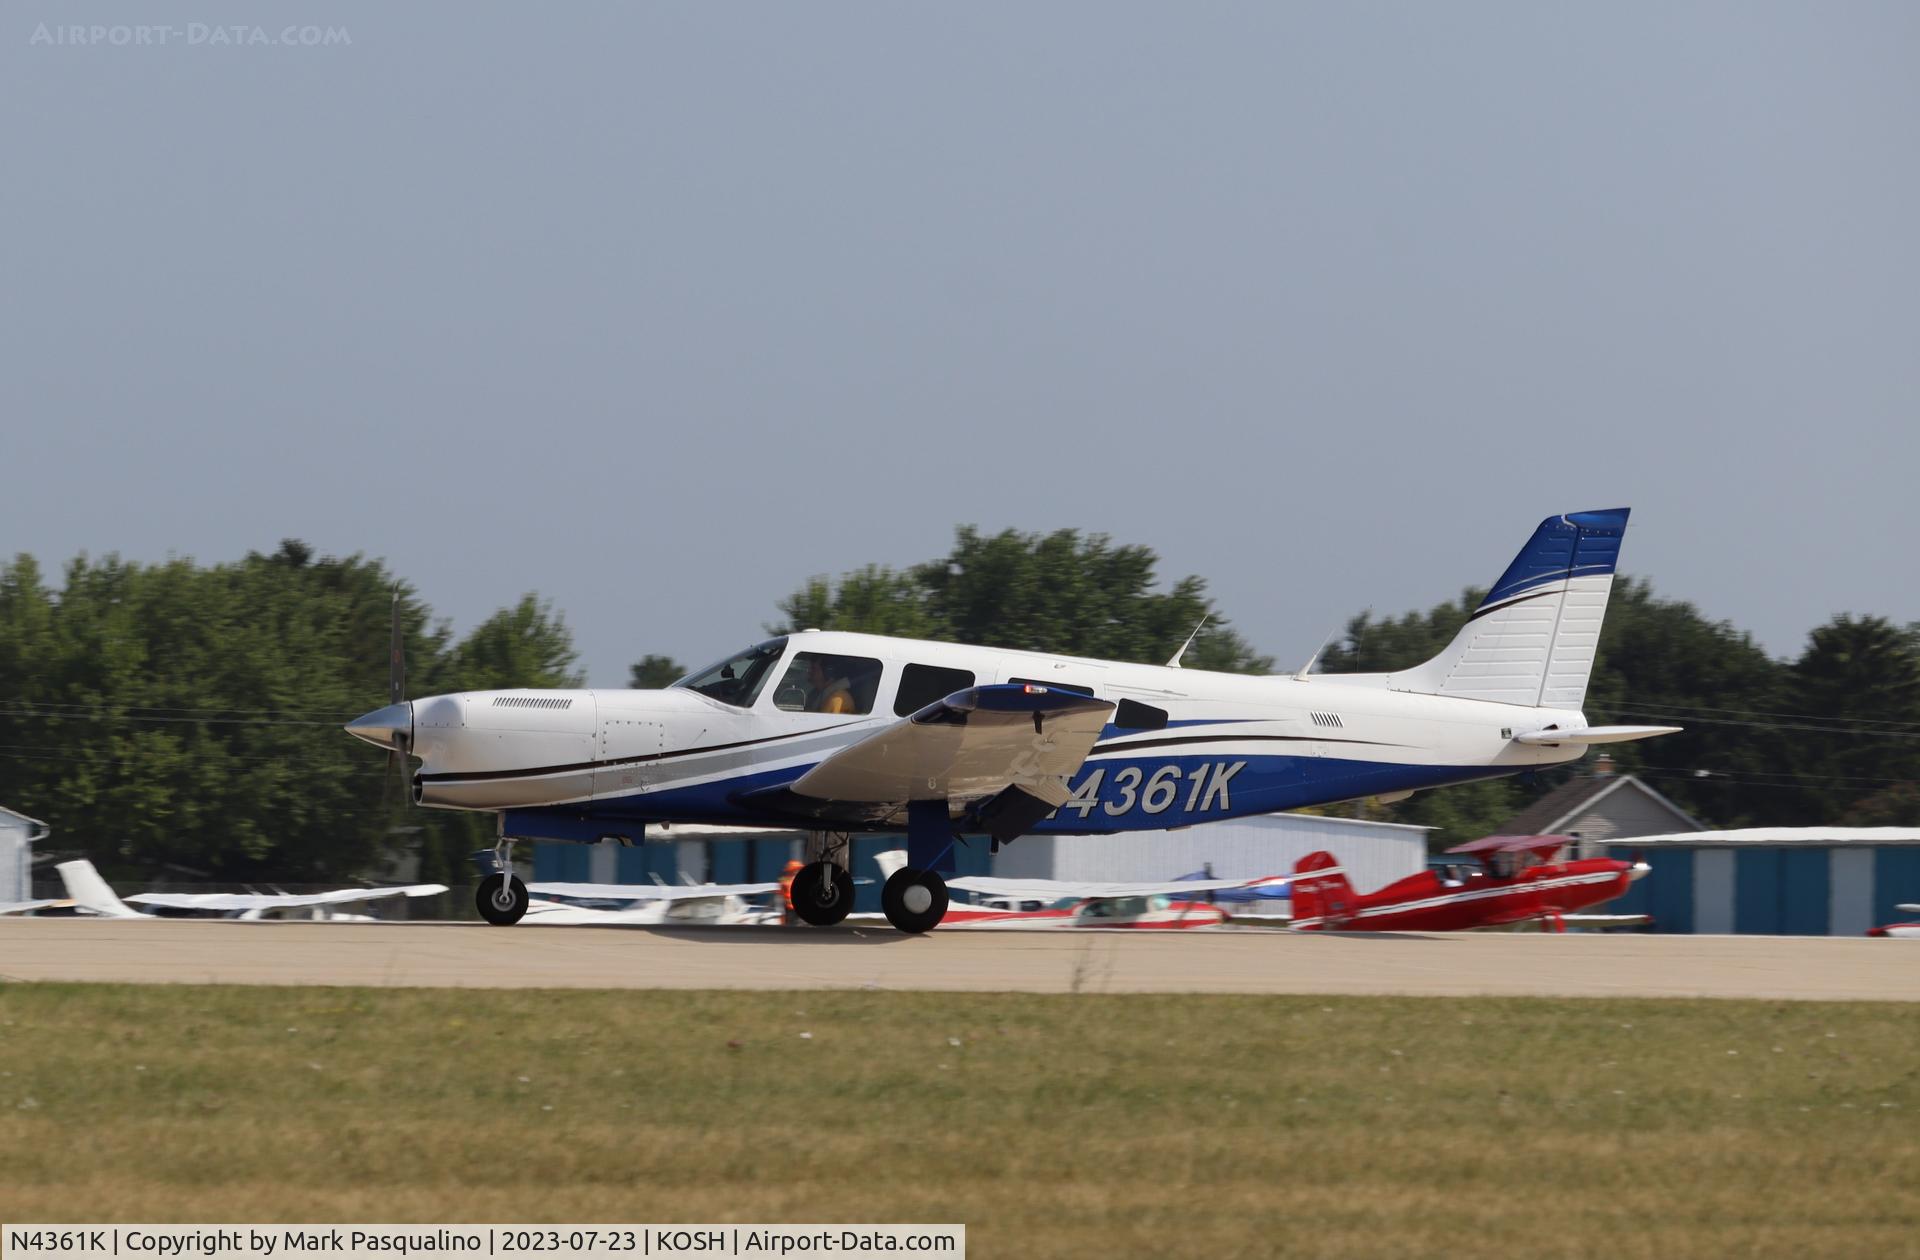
{"points": [[738, 679], [819, 682]]}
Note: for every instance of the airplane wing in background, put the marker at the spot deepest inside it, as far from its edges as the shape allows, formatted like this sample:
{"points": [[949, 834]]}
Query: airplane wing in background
{"points": [[222, 902], [1051, 890], [1005, 750], [28, 907], [649, 892]]}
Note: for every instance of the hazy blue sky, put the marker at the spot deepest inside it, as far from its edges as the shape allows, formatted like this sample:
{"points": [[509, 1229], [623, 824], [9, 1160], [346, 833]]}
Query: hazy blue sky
{"points": [[659, 309]]}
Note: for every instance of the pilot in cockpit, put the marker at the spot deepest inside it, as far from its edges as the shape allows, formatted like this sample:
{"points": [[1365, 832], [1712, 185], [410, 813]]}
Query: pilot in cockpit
{"points": [[827, 692]]}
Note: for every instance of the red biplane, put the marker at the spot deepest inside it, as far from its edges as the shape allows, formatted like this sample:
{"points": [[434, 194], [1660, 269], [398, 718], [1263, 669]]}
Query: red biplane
{"points": [[1511, 879]]}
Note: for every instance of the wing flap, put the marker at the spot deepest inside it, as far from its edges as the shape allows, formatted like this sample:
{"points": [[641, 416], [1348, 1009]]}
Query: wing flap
{"points": [[973, 744]]}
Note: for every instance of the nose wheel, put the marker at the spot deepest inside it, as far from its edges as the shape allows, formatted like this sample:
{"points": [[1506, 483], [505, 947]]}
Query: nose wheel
{"points": [[501, 900], [822, 893], [914, 900]]}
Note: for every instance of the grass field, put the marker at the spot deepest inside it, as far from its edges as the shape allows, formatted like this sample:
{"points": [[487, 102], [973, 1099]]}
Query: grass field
{"points": [[1053, 1126]]}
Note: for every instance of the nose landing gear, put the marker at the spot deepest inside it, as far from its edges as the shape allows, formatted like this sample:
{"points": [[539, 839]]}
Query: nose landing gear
{"points": [[501, 897], [822, 893]]}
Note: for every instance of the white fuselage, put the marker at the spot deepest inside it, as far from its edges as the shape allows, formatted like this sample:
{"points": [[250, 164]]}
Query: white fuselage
{"points": [[1186, 745]]}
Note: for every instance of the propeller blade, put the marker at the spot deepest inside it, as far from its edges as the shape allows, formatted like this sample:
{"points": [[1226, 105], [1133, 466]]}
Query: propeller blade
{"points": [[396, 657]]}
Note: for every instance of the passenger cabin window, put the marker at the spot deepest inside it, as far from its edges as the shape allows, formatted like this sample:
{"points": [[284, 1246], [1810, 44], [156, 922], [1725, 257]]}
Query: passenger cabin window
{"points": [[817, 682], [921, 685], [1057, 686], [738, 679]]}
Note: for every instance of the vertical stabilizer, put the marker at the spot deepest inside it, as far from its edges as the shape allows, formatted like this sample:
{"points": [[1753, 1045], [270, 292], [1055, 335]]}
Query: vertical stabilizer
{"points": [[1533, 639], [1323, 897], [91, 893]]}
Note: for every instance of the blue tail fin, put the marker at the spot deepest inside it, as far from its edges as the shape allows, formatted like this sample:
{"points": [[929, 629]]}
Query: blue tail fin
{"points": [[1533, 638]]}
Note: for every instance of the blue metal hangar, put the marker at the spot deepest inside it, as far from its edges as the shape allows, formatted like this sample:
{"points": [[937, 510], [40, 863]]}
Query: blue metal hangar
{"points": [[1774, 881]]}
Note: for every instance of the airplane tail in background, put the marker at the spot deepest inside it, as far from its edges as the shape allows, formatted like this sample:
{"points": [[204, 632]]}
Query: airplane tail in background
{"points": [[1533, 638], [90, 892], [1322, 894]]}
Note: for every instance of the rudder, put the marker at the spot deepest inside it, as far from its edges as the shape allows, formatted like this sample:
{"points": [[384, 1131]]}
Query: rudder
{"points": [[1322, 896], [90, 892]]}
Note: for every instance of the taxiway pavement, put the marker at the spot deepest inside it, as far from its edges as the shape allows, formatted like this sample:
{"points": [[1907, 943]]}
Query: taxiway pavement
{"points": [[161, 951]]}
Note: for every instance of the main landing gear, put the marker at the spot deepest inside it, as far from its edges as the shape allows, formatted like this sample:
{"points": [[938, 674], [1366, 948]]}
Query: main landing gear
{"points": [[501, 898], [914, 900]]}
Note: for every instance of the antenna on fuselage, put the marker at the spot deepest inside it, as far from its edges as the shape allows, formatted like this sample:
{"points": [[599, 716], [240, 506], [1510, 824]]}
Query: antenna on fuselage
{"points": [[1315, 658], [1175, 662]]}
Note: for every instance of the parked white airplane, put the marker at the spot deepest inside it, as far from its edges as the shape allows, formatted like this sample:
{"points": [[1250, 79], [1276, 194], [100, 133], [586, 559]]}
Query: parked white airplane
{"points": [[655, 904], [561, 904], [839, 732], [90, 894]]}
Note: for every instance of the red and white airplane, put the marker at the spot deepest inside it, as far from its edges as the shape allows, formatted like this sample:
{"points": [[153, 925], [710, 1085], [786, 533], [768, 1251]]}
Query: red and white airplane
{"points": [[1515, 881], [1909, 930]]}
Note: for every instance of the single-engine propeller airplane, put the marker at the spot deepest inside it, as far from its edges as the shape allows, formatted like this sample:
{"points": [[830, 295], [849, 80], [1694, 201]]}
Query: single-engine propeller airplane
{"points": [[1516, 881], [838, 733]]}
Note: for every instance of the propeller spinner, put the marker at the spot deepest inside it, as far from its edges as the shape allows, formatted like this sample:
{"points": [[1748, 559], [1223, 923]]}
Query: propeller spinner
{"points": [[392, 727]]}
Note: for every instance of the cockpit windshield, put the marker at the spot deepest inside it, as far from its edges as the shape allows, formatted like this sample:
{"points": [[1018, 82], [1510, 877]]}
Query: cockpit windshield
{"points": [[738, 679]]}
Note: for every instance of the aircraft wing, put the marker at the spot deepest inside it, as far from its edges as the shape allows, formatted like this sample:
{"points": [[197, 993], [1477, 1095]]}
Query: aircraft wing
{"points": [[1055, 889], [1542, 845], [649, 892], [27, 907], [1909, 907], [279, 901], [1009, 749], [1596, 735]]}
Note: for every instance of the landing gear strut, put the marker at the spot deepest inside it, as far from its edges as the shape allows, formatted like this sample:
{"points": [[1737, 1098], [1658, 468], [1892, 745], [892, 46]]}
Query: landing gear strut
{"points": [[914, 900], [501, 898]]}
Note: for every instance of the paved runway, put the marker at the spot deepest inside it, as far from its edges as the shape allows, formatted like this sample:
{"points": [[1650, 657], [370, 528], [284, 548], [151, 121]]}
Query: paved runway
{"points": [[161, 951]]}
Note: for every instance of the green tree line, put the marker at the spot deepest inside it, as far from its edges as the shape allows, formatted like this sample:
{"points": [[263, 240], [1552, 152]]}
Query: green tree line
{"points": [[174, 718], [179, 718]]}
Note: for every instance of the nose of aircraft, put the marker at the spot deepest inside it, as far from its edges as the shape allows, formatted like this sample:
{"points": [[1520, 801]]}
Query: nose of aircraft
{"points": [[1638, 870], [391, 727]]}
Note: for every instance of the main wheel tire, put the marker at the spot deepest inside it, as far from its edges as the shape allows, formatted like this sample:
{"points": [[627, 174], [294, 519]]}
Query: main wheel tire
{"points": [[822, 894], [501, 900], [914, 900]]}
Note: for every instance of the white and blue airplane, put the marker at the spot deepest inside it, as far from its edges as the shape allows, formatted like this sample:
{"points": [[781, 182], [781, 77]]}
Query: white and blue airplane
{"points": [[838, 733]]}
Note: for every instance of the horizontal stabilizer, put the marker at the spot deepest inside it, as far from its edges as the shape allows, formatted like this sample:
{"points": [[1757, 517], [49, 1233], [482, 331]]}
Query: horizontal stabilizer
{"points": [[1596, 735]]}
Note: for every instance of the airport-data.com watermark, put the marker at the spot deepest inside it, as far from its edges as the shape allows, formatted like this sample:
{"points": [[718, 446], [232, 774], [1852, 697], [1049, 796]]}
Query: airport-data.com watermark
{"points": [[187, 35]]}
